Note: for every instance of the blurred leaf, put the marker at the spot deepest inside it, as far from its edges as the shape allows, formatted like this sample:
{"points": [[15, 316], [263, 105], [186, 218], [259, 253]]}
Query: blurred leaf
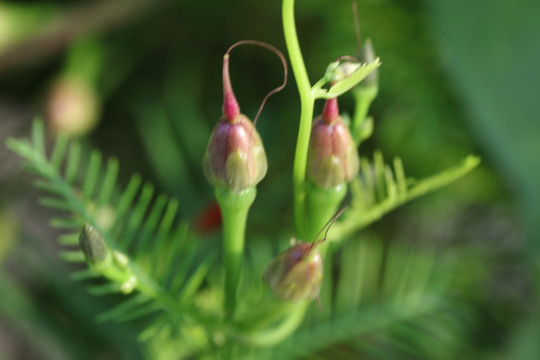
{"points": [[491, 51], [9, 228]]}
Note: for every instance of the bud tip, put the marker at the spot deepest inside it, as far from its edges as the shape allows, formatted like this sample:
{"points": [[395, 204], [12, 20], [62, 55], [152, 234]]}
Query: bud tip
{"points": [[231, 109], [330, 111]]}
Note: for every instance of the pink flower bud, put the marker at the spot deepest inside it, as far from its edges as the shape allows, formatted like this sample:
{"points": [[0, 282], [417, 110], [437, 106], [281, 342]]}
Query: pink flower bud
{"points": [[73, 107], [295, 274], [235, 158], [332, 157]]}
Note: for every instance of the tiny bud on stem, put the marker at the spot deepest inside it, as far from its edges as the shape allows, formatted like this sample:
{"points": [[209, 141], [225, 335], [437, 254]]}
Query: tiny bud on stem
{"points": [[93, 246]]}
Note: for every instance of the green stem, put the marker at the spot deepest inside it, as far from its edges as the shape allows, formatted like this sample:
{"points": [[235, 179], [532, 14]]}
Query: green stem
{"points": [[234, 210], [263, 316], [277, 334], [322, 204], [306, 114]]}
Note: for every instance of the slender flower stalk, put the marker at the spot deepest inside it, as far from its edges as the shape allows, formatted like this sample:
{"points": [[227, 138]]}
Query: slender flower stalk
{"points": [[307, 101], [234, 163]]}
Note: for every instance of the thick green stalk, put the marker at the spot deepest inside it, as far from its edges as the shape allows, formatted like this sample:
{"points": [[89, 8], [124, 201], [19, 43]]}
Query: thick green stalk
{"points": [[307, 100], [234, 211], [322, 204]]}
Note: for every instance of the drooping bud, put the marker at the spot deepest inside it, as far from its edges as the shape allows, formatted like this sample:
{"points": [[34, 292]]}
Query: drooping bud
{"points": [[93, 246], [295, 274], [332, 157], [235, 158]]}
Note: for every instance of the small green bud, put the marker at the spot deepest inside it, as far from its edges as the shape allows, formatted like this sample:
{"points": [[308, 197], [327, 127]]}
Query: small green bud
{"points": [[295, 274], [93, 246], [235, 158], [340, 70], [332, 157], [367, 55], [345, 67], [128, 286]]}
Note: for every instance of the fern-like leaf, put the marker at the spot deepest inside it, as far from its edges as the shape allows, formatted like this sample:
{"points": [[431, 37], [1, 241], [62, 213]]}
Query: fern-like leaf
{"points": [[381, 188], [150, 259]]}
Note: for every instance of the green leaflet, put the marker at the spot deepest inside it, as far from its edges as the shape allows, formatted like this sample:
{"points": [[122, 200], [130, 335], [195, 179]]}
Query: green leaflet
{"points": [[349, 82]]}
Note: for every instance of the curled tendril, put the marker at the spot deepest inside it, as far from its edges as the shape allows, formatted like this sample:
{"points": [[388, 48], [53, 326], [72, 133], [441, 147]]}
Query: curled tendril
{"points": [[318, 241], [283, 61]]}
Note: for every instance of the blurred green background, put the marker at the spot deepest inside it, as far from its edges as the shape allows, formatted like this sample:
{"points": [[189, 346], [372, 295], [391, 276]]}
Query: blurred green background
{"points": [[142, 78]]}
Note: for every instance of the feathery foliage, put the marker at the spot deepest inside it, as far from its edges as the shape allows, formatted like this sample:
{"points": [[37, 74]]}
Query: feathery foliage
{"points": [[152, 258], [155, 263], [381, 188]]}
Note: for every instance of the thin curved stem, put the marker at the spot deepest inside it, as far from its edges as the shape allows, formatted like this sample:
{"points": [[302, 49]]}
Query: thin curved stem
{"points": [[306, 114], [278, 333]]}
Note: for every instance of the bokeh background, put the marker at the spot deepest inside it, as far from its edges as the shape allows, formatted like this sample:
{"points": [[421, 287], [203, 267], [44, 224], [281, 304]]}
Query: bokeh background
{"points": [[141, 81]]}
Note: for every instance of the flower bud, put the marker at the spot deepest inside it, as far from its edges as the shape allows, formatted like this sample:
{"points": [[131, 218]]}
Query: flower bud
{"points": [[345, 67], [332, 157], [235, 158], [340, 70], [93, 246], [295, 274], [367, 55], [73, 107]]}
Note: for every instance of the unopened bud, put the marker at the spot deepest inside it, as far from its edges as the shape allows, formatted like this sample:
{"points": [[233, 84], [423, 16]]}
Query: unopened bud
{"points": [[93, 246], [340, 70], [332, 157], [235, 158], [73, 107], [295, 274], [367, 55]]}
